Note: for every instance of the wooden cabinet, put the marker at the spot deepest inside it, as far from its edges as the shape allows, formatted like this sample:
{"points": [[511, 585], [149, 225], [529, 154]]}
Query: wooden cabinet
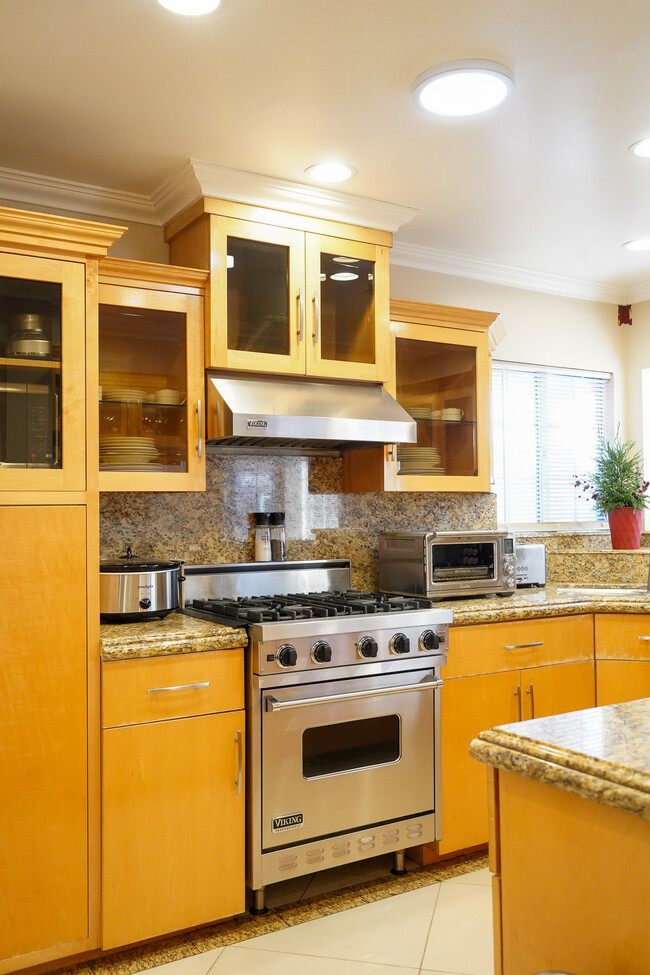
{"points": [[500, 673], [44, 812], [440, 374], [151, 402], [172, 793], [288, 294], [622, 657]]}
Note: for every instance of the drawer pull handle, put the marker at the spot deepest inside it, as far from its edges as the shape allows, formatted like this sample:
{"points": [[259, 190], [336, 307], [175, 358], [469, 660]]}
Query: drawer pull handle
{"points": [[644, 638], [523, 646], [179, 687]]}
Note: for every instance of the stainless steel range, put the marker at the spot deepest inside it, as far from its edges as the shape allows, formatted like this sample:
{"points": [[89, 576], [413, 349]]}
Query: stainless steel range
{"points": [[343, 702]]}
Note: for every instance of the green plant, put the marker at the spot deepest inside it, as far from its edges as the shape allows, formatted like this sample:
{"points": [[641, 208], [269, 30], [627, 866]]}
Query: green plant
{"points": [[617, 480]]}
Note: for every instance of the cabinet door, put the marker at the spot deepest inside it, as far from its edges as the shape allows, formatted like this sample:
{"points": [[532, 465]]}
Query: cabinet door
{"points": [[556, 689], [43, 733], [173, 825], [151, 390], [258, 302], [622, 680], [347, 309], [42, 374], [469, 705]]}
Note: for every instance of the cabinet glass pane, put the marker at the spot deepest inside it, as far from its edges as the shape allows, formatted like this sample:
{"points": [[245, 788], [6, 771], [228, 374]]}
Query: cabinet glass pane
{"points": [[143, 389], [436, 384], [30, 373], [347, 308], [258, 296]]}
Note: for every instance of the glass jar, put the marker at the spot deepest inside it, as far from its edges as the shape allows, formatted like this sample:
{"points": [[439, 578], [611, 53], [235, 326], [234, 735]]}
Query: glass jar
{"points": [[262, 536], [278, 537]]}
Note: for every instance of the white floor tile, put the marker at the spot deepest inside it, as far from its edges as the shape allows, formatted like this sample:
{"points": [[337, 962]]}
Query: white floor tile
{"points": [[242, 960], [482, 877], [195, 965], [387, 932], [460, 940]]}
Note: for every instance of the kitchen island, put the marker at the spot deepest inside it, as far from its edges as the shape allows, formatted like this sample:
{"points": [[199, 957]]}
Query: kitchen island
{"points": [[570, 840]]}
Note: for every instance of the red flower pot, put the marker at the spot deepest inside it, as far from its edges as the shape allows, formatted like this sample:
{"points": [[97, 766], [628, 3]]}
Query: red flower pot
{"points": [[625, 527]]}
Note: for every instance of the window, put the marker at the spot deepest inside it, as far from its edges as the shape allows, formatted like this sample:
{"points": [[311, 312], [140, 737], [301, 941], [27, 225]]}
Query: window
{"points": [[546, 424]]}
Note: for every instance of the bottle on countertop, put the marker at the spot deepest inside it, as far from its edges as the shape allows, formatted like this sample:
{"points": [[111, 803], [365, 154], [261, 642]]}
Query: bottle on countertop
{"points": [[262, 536], [278, 537]]}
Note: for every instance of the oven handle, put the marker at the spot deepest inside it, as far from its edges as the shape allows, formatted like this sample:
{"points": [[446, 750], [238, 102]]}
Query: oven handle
{"points": [[272, 704]]}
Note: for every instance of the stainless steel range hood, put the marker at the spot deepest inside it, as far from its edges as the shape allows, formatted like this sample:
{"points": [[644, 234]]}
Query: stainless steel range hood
{"points": [[287, 413]]}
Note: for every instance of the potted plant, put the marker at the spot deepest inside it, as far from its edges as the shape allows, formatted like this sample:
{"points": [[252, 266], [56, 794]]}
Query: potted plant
{"points": [[618, 489]]}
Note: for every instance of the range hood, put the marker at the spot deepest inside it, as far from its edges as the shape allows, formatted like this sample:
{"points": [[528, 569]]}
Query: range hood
{"points": [[301, 414]]}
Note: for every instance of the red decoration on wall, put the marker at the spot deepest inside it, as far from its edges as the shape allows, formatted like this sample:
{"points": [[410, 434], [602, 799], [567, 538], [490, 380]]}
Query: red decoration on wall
{"points": [[625, 314]]}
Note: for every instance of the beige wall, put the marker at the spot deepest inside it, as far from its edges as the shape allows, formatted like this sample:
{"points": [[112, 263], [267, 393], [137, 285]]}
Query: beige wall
{"points": [[539, 328]]}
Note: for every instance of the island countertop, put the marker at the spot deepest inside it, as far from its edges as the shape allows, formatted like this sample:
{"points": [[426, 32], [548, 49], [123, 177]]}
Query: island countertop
{"points": [[600, 753], [176, 633]]}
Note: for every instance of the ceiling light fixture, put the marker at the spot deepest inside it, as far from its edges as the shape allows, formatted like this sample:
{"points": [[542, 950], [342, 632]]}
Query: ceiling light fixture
{"points": [[462, 88], [641, 148], [643, 244], [191, 8], [330, 172]]}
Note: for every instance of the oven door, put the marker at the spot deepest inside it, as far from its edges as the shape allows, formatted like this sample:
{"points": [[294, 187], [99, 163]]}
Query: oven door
{"points": [[346, 754]]}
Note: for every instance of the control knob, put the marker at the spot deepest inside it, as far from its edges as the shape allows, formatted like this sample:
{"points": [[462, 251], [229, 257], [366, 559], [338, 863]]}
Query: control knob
{"points": [[400, 643], [429, 640], [287, 655], [145, 602], [367, 647], [321, 652]]}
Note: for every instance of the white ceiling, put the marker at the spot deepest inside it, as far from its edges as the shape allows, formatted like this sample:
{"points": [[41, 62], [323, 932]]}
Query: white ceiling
{"points": [[542, 191]]}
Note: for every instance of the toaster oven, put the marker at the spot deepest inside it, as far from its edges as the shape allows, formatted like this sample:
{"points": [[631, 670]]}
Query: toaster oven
{"points": [[446, 564]]}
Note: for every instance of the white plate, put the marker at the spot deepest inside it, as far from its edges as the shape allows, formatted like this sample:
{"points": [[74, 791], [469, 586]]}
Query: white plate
{"points": [[123, 395], [132, 467]]}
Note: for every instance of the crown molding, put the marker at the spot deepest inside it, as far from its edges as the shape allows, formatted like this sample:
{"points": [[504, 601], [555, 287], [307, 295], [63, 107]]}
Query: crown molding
{"points": [[443, 262], [62, 194], [637, 293]]}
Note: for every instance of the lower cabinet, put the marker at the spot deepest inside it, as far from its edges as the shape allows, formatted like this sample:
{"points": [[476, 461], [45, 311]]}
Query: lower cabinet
{"points": [[172, 794], [622, 657], [44, 751], [539, 667]]}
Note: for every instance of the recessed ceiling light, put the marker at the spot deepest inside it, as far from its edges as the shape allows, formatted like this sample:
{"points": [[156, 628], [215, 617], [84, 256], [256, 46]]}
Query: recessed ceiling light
{"points": [[330, 172], [641, 148], [462, 88], [191, 8], [643, 244]]}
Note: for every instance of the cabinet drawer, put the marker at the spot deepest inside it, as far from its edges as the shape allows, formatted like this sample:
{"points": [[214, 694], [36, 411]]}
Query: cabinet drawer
{"points": [[491, 647], [156, 688], [622, 637]]}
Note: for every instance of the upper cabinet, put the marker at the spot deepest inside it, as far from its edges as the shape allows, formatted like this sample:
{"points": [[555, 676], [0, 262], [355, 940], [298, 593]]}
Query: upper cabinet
{"points": [[46, 281], [151, 324], [288, 294], [441, 376]]}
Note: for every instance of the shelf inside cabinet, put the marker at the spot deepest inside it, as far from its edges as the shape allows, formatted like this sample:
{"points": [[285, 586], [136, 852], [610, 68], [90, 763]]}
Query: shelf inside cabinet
{"points": [[30, 362]]}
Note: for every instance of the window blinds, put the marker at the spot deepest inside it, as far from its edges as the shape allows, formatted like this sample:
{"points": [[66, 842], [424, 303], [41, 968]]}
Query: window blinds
{"points": [[546, 425]]}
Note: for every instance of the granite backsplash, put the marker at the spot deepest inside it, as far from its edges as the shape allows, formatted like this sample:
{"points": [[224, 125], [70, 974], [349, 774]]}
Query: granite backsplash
{"points": [[321, 520]]}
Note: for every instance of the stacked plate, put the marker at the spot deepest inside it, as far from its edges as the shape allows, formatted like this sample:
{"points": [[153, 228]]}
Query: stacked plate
{"points": [[419, 460], [420, 413], [128, 453], [122, 394]]}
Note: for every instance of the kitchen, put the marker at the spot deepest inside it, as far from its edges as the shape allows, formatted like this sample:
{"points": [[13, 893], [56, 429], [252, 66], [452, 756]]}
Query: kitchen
{"points": [[323, 520]]}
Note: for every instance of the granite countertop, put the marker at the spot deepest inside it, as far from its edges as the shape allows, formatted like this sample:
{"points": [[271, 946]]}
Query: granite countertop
{"points": [[175, 633], [535, 603], [601, 754]]}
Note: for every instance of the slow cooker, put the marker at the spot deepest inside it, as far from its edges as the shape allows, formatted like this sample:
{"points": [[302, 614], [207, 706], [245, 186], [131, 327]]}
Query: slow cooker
{"points": [[133, 589]]}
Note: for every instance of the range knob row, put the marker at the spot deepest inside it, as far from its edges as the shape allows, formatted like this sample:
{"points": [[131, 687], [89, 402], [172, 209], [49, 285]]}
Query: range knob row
{"points": [[367, 647]]}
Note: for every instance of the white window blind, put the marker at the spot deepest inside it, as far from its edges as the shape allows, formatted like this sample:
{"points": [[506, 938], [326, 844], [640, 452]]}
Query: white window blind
{"points": [[546, 425]]}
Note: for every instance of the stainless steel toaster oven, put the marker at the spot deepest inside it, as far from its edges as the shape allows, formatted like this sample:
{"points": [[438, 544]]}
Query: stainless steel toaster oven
{"points": [[445, 564]]}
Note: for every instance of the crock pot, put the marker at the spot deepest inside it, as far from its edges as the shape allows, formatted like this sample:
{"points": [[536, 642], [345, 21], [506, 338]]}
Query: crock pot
{"points": [[133, 589]]}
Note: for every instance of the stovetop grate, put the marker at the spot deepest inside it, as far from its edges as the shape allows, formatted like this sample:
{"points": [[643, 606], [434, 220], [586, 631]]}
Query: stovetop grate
{"points": [[313, 605]]}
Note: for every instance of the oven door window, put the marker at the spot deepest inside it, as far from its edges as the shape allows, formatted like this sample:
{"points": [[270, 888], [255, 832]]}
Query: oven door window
{"points": [[350, 746], [455, 562]]}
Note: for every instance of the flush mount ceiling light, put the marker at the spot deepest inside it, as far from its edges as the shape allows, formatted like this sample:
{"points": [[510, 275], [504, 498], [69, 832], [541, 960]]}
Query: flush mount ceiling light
{"points": [[330, 172], [463, 88], [641, 148], [191, 8], [643, 244]]}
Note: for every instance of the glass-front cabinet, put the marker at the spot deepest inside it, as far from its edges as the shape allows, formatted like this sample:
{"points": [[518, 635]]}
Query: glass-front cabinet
{"points": [[288, 300], [150, 377], [42, 374]]}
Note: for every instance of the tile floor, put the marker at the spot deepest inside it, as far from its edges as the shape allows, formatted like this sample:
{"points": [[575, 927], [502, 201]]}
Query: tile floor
{"points": [[445, 927]]}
